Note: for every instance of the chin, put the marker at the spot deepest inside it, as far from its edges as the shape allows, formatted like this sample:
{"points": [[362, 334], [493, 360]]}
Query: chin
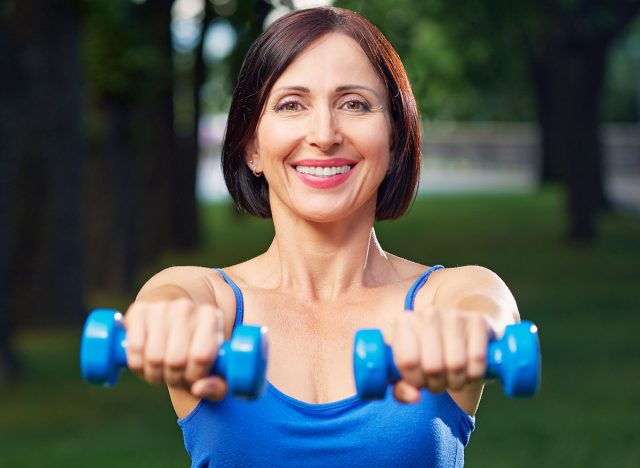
{"points": [[326, 210], [321, 214], [323, 217]]}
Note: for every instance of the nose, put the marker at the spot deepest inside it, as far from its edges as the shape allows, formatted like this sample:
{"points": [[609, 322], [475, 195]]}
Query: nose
{"points": [[323, 131]]}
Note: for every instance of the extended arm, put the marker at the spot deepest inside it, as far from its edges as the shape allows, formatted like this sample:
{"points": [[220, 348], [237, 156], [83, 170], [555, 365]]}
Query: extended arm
{"points": [[442, 346]]}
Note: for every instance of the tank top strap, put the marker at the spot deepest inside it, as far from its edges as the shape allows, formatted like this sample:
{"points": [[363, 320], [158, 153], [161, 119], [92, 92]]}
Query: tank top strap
{"points": [[239, 298], [410, 298]]}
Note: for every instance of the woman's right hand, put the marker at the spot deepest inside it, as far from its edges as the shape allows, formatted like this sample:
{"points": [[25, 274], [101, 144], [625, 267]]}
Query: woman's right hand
{"points": [[176, 342]]}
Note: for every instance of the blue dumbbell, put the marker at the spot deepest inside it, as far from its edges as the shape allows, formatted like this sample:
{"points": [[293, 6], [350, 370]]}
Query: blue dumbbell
{"points": [[242, 361], [514, 359]]}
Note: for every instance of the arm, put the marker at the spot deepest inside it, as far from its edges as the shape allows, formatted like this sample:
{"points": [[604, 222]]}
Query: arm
{"points": [[174, 328], [442, 346]]}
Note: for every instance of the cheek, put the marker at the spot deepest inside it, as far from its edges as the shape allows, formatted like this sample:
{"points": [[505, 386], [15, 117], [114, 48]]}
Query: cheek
{"points": [[278, 138], [373, 141]]}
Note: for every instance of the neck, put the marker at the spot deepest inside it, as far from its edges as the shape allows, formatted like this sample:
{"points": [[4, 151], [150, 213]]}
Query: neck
{"points": [[324, 261]]}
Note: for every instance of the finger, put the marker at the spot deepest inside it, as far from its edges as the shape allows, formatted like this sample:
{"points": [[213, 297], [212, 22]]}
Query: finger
{"points": [[155, 346], [406, 393], [136, 335], [178, 343], [478, 333], [211, 387], [455, 349], [431, 353], [406, 352], [204, 343]]}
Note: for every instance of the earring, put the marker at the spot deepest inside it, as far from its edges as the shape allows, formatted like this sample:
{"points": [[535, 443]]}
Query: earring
{"points": [[255, 172]]}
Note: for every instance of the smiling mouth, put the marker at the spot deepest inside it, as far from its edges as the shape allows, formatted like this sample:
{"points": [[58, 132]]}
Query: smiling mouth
{"points": [[328, 171]]}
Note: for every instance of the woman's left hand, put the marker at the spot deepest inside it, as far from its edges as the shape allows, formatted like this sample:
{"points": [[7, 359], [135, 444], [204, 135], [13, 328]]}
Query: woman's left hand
{"points": [[439, 349]]}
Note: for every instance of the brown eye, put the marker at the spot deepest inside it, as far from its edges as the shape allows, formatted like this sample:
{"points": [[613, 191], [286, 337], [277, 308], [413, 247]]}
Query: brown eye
{"points": [[288, 106], [355, 105]]}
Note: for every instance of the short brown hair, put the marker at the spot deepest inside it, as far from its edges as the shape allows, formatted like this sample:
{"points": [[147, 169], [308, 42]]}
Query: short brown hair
{"points": [[272, 52]]}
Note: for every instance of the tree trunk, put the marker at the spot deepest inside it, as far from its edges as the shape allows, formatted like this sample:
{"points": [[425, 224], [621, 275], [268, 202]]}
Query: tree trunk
{"points": [[45, 162], [135, 164], [176, 159], [187, 224], [12, 84], [552, 168], [110, 209], [569, 81]]}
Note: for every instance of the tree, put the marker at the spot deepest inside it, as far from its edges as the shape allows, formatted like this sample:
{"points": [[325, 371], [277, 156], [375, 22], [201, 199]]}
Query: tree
{"points": [[41, 157], [568, 54], [142, 175], [133, 196], [121, 67], [562, 45]]}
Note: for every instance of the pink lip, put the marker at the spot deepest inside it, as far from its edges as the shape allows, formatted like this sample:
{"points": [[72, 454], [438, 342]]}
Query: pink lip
{"points": [[324, 182]]}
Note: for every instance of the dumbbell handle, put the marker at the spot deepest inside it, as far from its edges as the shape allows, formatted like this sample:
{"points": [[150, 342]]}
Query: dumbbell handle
{"points": [[514, 359], [241, 361]]}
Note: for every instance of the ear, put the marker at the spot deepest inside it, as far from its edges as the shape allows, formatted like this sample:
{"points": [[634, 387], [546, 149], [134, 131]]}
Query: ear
{"points": [[252, 156]]}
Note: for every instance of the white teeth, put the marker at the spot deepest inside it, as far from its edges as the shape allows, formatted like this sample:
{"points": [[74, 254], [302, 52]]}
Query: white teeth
{"points": [[322, 171]]}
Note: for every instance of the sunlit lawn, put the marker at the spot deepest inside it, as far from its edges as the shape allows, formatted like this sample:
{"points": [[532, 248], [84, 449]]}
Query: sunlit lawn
{"points": [[585, 300]]}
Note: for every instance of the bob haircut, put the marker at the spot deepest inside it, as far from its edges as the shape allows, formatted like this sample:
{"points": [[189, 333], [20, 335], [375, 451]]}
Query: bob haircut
{"points": [[272, 52]]}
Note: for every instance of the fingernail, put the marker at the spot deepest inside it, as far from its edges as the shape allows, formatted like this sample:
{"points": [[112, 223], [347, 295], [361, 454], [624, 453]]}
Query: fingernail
{"points": [[411, 395], [205, 389]]}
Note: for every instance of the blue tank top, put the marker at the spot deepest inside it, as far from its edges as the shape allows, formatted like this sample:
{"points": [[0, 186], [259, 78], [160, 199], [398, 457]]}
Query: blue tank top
{"points": [[277, 430]]}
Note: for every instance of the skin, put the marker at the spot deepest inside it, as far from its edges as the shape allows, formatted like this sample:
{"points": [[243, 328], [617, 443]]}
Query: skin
{"points": [[325, 275]]}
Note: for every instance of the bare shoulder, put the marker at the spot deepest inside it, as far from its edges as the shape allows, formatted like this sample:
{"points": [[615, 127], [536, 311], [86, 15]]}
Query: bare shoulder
{"points": [[200, 283], [181, 274], [470, 275], [460, 287], [468, 279], [244, 272], [476, 288], [408, 273], [450, 278]]}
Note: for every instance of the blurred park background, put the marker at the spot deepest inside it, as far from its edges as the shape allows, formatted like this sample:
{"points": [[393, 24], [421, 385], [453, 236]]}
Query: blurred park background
{"points": [[111, 117]]}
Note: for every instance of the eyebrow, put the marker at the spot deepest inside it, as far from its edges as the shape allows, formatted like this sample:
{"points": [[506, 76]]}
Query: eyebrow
{"points": [[339, 89], [349, 87]]}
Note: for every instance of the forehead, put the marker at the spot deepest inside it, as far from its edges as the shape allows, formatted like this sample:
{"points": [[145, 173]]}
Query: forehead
{"points": [[333, 59]]}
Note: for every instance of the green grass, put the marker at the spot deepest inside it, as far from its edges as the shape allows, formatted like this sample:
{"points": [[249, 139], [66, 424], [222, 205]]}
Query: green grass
{"points": [[54, 419], [584, 299]]}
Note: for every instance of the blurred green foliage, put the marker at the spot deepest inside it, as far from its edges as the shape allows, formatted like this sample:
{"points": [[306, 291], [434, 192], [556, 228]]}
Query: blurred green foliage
{"points": [[622, 95], [467, 60], [118, 54], [459, 68]]}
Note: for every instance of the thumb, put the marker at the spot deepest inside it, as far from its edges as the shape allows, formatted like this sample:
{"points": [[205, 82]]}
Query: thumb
{"points": [[211, 387]]}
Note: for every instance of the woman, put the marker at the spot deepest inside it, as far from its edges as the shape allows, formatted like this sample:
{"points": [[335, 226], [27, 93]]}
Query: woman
{"points": [[323, 136]]}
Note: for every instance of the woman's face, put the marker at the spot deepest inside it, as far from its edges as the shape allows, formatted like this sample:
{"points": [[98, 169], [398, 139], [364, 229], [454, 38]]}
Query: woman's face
{"points": [[323, 141]]}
